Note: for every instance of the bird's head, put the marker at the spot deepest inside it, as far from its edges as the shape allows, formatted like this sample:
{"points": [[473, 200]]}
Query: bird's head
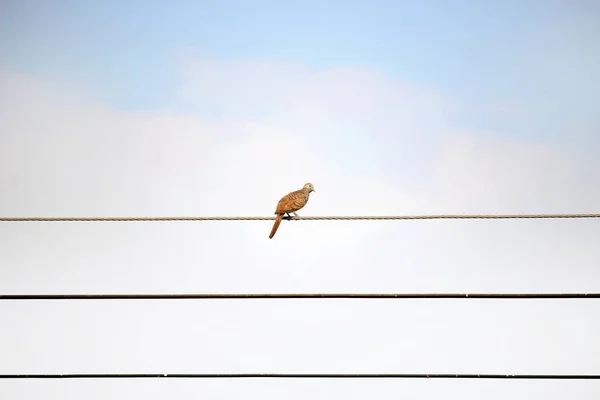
{"points": [[309, 187]]}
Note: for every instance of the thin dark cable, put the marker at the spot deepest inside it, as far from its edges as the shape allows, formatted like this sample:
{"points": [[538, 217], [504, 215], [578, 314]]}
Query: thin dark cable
{"points": [[150, 296], [313, 376], [396, 217]]}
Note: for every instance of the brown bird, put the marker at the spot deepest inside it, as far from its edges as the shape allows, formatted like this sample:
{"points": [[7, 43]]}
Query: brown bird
{"points": [[290, 203]]}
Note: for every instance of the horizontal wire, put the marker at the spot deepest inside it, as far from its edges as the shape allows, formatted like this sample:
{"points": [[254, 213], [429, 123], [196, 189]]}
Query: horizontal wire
{"points": [[319, 218], [326, 376], [150, 296]]}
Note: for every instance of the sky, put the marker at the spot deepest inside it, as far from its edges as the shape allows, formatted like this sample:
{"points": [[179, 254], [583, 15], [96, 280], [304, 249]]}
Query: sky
{"points": [[219, 108]]}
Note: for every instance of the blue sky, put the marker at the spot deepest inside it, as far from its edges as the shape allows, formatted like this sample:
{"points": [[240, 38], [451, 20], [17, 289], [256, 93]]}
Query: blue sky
{"points": [[219, 108], [469, 48]]}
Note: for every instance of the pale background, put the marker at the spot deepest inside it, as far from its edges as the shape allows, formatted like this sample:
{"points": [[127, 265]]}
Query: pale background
{"points": [[219, 108]]}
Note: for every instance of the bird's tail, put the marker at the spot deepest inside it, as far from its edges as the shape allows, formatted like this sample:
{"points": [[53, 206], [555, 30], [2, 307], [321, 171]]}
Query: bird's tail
{"points": [[276, 225]]}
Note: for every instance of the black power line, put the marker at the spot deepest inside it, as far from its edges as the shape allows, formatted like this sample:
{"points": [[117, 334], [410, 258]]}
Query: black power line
{"points": [[295, 376], [199, 296]]}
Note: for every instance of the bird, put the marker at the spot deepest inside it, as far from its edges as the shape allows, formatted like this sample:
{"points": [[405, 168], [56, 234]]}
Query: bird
{"points": [[290, 203]]}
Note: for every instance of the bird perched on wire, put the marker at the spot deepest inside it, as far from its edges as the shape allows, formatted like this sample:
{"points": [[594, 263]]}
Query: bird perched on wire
{"points": [[290, 203]]}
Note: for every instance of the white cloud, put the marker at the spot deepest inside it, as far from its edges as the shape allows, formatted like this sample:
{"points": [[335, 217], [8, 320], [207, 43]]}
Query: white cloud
{"points": [[481, 173], [371, 145]]}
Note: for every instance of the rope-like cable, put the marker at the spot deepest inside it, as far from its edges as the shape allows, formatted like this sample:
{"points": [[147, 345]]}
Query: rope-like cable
{"points": [[313, 376], [334, 218], [242, 296]]}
